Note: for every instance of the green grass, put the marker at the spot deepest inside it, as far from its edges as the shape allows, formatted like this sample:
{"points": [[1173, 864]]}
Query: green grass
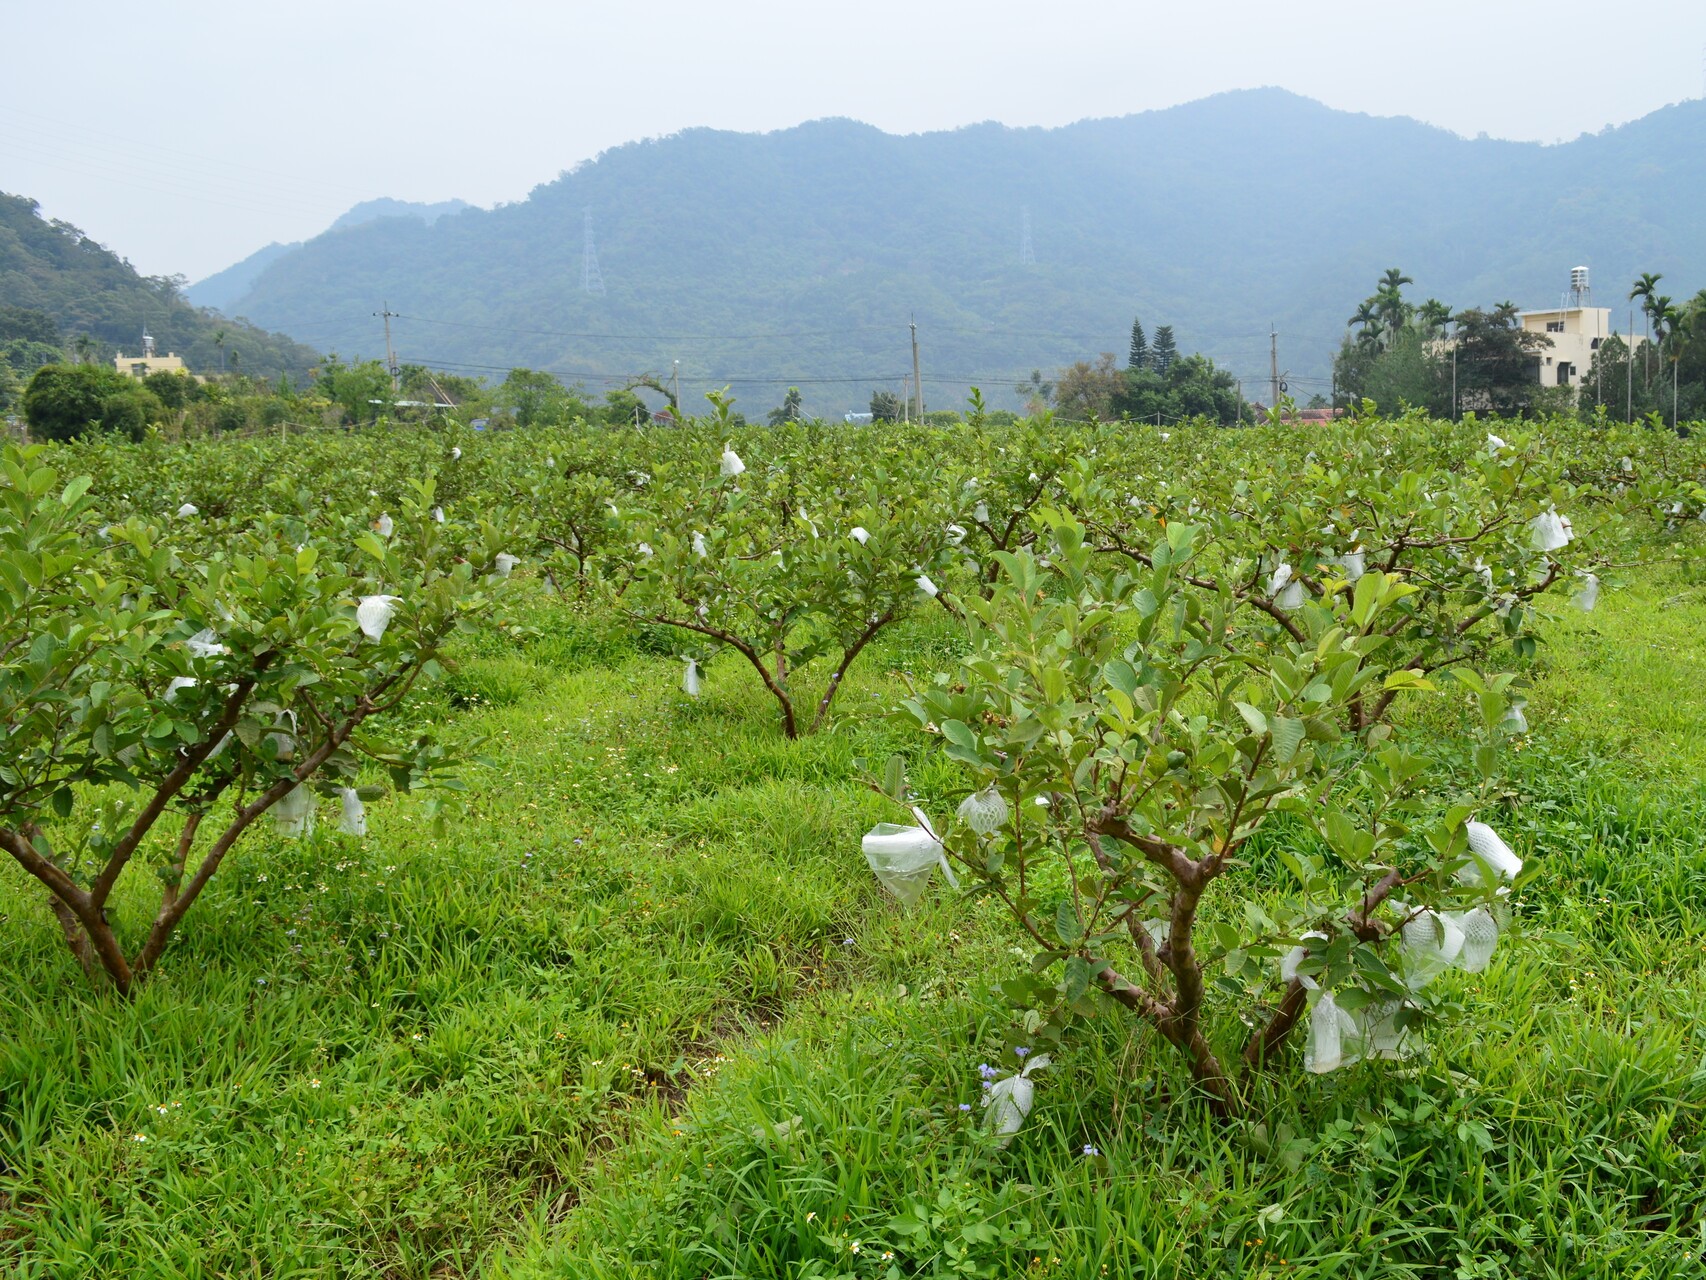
{"points": [[557, 1039]]}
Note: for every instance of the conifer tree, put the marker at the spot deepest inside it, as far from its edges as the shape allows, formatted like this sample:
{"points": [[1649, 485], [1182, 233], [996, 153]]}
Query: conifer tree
{"points": [[1139, 357], [1165, 350]]}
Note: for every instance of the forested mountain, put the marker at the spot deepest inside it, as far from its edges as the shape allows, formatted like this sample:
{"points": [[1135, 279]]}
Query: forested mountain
{"points": [[225, 288], [798, 257], [100, 305]]}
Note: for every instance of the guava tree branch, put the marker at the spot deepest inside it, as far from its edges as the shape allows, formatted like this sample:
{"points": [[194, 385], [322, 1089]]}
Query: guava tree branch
{"points": [[747, 651], [190, 759], [848, 655]]}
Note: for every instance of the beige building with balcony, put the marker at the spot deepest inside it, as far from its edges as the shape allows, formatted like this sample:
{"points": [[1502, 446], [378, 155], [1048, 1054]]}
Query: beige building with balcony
{"points": [[1576, 330], [149, 361]]}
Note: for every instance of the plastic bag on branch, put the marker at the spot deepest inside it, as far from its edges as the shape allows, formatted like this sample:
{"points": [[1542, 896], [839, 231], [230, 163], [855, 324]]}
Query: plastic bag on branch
{"points": [[730, 465], [205, 644], [903, 858], [1484, 842], [1286, 590], [1335, 1037], [1588, 596], [1381, 1035], [1290, 961], [1550, 531], [373, 614], [690, 678], [1007, 1101], [1431, 942], [1480, 935], [293, 815], [984, 811], [354, 819]]}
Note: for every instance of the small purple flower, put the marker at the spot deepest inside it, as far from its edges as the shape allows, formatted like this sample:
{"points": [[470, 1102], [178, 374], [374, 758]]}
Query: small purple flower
{"points": [[965, 1106], [1021, 1052], [847, 942], [986, 1071], [1091, 1151]]}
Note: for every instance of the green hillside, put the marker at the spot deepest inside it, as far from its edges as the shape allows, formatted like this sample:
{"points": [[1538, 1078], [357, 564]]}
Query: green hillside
{"points": [[799, 256], [88, 291]]}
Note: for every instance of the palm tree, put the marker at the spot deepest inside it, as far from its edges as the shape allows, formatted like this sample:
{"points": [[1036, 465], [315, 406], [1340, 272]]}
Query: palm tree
{"points": [[1389, 299], [1644, 288], [1394, 280], [219, 341], [1434, 314], [1366, 314]]}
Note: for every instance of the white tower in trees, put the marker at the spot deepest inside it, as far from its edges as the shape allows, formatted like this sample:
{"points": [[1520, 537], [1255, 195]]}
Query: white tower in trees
{"points": [[591, 280]]}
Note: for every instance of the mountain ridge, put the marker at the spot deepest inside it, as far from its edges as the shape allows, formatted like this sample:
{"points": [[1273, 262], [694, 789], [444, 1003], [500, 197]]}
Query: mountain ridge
{"points": [[1221, 216]]}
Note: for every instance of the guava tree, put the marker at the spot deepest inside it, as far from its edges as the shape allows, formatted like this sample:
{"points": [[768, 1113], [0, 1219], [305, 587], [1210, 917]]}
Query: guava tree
{"points": [[789, 562], [166, 684], [1126, 742]]}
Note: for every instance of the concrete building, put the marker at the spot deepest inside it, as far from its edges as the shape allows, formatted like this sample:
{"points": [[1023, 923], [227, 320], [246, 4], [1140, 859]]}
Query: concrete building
{"points": [[1576, 329], [148, 362]]}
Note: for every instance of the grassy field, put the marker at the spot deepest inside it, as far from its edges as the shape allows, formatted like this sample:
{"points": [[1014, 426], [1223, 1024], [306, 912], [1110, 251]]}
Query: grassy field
{"points": [[642, 1012]]}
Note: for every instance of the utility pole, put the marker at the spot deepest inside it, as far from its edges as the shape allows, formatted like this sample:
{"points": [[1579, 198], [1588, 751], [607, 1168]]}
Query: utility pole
{"points": [[917, 378], [1238, 420], [1273, 369], [1629, 350], [675, 393], [390, 355], [1454, 381]]}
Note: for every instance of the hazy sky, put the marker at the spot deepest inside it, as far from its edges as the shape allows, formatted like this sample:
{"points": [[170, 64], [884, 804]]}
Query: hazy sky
{"points": [[186, 135]]}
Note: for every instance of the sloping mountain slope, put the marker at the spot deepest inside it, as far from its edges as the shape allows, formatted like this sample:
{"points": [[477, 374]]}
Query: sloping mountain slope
{"points": [[223, 288], [799, 256], [87, 289]]}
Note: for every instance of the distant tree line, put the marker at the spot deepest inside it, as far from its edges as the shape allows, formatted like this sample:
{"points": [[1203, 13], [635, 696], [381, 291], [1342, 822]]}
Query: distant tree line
{"points": [[1157, 384]]}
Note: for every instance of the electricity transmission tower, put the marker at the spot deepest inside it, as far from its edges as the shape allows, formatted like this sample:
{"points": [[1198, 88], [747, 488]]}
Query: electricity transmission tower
{"points": [[591, 280], [1027, 255]]}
